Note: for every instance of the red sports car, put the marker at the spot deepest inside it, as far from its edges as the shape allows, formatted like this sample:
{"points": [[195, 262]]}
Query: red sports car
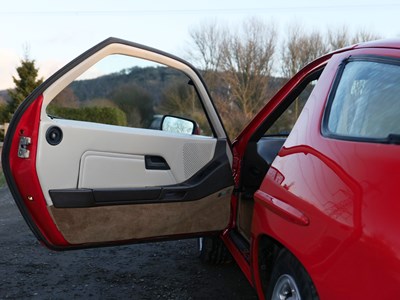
{"points": [[306, 203]]}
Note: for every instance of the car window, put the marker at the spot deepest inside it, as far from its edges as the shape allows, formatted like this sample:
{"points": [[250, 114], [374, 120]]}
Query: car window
{"points": [[366, 102], [128, 91]]}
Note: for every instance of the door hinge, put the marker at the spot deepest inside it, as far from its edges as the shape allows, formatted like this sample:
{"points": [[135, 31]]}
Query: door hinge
{"points": [[24, 142]]}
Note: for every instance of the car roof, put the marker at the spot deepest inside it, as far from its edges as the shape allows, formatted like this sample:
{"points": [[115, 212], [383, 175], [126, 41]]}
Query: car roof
{"points": [[386, 43]]}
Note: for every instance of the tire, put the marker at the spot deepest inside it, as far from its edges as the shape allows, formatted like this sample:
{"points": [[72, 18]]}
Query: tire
{"points": [[289, 280], [212, 250]]}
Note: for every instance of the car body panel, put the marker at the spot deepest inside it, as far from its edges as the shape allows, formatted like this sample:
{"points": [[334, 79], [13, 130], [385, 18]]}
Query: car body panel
{"points": [[344, 189]]}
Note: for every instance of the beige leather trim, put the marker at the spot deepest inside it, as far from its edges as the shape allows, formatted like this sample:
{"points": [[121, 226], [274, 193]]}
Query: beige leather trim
{"points": [[126, 222]]}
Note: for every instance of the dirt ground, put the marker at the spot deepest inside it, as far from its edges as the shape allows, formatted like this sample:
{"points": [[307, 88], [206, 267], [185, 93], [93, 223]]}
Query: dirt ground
{"points": [[167, 270]]}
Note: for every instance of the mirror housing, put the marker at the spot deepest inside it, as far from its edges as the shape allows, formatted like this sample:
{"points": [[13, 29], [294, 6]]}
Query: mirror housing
{"points": [[178, 125]]}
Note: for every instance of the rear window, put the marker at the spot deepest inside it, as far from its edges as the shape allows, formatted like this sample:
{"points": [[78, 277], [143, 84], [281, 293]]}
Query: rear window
{"points": [[366, 102]]}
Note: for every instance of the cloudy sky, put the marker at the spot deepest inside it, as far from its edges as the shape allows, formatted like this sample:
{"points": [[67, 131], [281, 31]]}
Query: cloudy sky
{"points": [[55, 32]]}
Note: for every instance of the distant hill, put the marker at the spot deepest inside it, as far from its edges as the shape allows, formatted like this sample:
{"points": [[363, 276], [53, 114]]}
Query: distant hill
{"points": [[152, 79]]}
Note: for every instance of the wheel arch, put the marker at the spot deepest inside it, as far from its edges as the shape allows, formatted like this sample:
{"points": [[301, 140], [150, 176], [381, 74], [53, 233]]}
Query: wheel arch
{"points": [[266, 251]]}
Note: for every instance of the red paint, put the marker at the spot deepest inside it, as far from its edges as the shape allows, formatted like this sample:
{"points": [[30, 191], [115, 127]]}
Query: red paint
{"points": [[238, 256], [25, 175], [281, 208], [348, 190]]}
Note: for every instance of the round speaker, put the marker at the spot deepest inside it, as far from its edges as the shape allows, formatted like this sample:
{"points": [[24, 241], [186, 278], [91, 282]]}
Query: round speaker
{"points": [[54, 135]]}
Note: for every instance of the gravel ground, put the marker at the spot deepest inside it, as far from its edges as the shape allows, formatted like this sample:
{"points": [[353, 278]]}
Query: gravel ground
{"points": [[166, 270]]}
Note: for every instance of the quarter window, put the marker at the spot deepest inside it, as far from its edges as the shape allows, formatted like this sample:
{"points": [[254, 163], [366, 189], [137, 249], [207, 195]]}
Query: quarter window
{"points": [[366, 103]]}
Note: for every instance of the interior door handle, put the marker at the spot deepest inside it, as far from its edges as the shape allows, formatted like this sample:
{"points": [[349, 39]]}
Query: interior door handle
{"points": [[154, 162]]}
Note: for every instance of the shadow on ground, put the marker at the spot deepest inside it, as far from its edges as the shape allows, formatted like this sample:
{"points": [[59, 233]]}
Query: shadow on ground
{"points": [[167, 270]]}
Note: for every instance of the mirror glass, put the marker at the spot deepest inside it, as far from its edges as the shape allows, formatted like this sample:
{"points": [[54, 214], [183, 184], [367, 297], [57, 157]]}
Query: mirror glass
{"points": [[177, 125]]}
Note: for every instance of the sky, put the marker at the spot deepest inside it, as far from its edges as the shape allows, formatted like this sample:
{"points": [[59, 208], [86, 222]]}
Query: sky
{"points": [[55, 32]]}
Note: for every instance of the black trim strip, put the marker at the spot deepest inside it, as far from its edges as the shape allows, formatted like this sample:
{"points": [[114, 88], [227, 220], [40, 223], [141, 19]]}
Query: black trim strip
{"points": [[331, 96], [77, 198], [83, 198], [241, 243], [374, 58]]}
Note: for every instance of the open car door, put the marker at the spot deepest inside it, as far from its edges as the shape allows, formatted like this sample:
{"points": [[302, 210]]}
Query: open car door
{"points": [[82, 183]]}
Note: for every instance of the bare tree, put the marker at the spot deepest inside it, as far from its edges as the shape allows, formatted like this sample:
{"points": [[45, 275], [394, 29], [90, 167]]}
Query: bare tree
{"points": [[338, 38], [237, 66], [207, 39], [246, 63], [237, 63], [206, 52], [300, 48], [363, 35], [341, 37]]}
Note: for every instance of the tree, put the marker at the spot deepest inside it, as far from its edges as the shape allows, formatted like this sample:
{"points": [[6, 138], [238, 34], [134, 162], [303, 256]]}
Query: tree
{"points": [[66, 98], [207, 39], [237, 63], [363, 35], [237, 67], [181, 99], [3, 111], [247, 60], [206, 51], [338, 38], [27, 82], [300, 48], [97, 114], [178, 98], [341, 37], [136, 102]]}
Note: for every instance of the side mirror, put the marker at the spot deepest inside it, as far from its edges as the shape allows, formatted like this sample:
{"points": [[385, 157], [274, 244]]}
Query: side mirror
{"points": [[178, 125]]}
